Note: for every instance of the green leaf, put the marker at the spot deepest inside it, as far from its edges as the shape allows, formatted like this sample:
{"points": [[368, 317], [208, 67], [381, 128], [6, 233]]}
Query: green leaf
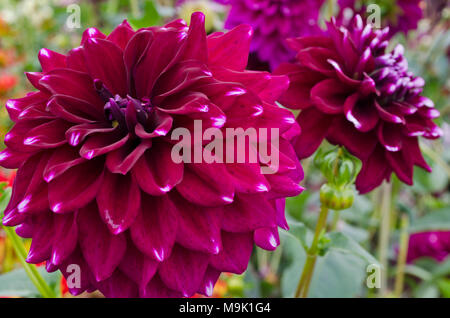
{"points": [[340, 273], [437, 220], [444, 287], [17, 284], [149, 17]]}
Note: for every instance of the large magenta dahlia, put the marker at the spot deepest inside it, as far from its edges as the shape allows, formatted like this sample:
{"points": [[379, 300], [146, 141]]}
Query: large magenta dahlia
{"points": [[354, 93], [96, 185], [274, 21]]}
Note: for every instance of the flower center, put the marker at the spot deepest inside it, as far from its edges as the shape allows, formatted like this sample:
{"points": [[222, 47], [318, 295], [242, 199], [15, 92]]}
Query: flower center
{"points": [[124, 112]]}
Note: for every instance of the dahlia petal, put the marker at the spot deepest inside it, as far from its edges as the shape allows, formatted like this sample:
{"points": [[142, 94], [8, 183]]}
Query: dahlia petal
{"points": [[72, 83], [68, 269], [121, 35], [118, 286], [138, 267], [162, 122], [330, 96], [47, 135], [76, 61], [301, 81], [374, 170], [16, 106], [11, 159], [386, 115], [198, 229], [133, 53], [316, 58], [74, 110], [41, 245], [100, 144], [267, 238], [411, 149], [65, 237], [76, 134], [102, 250], [118, 201], [247, 178], [312, 134], [76, 187], [29, 192], [154, 229], [195, 46], [342, 76], [360, 144], [34, 78], [309, 40], [91, 33], [104, 61], [230, 49], [122, 160], [15, 138], [268, 87], [402, 165], [206, 185], [164, 48], [173, 274], [157, 175], [390, 136], [237, 249], [283, 186], [210, 279], [157, 289], [247, 213], [363, 116], [50, 60]]}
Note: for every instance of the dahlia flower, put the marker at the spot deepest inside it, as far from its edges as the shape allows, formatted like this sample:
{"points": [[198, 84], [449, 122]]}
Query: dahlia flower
{"points": [[97, 186], [274, 21], [429, 244], [354, 93], [399, 15]]}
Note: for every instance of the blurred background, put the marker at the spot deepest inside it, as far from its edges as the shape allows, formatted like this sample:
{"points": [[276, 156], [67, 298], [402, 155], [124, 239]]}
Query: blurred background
{"points": [[419, 220]]}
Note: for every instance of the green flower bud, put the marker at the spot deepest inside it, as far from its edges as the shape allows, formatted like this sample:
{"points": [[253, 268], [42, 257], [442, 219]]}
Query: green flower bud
{"points": [[337, 198], [338, 166]]}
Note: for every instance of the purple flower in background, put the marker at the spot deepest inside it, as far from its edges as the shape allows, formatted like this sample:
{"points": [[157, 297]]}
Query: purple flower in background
{"points": [[97, 185], [273, 21], [399, 15], [356, 94], [429, 244]]}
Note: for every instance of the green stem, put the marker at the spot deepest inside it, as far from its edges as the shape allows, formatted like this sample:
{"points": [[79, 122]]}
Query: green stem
{"points": [[31, 270], [330, 9], [383, 239], [335, 221], [135, 8], [308, 269], [402, 254]]}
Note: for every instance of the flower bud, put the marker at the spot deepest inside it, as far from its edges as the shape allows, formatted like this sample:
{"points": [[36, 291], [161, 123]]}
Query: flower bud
{"points": [[337, 198], [338, 166]]}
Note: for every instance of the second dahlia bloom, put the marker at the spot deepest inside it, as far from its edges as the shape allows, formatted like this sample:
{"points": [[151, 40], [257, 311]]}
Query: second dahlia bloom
{"points": [[274, 21], [398, 15], [356, 94], [429, 244], [97, 186]]}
